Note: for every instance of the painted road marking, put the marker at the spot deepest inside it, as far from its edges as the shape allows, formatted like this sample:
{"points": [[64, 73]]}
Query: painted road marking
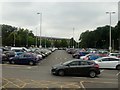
{"points": [[81, 83], [29, 67], [96, 82], [117, 73], [101, 70], [12, 83], [39, 83]]}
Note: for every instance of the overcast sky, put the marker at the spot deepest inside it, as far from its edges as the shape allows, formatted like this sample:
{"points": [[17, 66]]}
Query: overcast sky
{"points": [[59, 18]]}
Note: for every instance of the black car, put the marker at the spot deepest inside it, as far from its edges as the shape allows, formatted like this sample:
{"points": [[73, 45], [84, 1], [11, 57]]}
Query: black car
{"points": [[25, 58], [76, 67]]}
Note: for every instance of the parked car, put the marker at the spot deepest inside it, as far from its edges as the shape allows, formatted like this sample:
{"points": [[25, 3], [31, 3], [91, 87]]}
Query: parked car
{"points": [[108, 62], [71, 50], [78, 54], [76, 67], [115, 54], [6, 54], [25, 58]]}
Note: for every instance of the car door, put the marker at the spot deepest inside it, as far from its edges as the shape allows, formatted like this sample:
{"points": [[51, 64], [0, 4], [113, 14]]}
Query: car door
{"points": [[104, 63], [71, 68], [113, 62], [23, 59], [83, 68]]}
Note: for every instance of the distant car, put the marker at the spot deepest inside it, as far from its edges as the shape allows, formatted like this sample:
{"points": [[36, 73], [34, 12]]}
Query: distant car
{"points": [[25, 58], [77, 55], [71, 51], [6, 55], [108, 62], [76, 67], [115, 55]]}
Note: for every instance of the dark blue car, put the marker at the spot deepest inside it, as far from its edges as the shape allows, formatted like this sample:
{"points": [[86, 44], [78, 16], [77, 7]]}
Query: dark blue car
{"points": [[77, 55], [25, 58]]}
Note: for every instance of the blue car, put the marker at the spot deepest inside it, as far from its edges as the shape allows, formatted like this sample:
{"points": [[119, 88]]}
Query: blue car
{"points": [[93, 57], [25, 58]]}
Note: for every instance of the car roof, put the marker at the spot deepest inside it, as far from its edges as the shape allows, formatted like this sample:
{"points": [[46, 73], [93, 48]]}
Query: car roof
{"points": [[107, 57], [80, 60]]}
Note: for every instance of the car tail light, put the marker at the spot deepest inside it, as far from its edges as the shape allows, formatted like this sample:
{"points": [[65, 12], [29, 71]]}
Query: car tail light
{"points": [[96, 65]]}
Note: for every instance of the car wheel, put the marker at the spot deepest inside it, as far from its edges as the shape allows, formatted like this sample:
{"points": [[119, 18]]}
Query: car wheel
{"points": [[12, 62], [31, 63], [118, 67], [61, 73], [76, 57], [92, 74]]}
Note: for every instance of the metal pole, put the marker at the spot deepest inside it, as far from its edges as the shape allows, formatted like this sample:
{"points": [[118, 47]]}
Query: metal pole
{"points": [[110, 48], [36, 37], [73, 37], [45, 41], [118, 44], [14, 38], [27, 40], [113, 44], [40, 26], [110, 34]]}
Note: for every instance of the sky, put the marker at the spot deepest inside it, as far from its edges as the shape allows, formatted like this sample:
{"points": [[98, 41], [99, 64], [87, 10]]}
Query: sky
{"points": [[58, 18]]}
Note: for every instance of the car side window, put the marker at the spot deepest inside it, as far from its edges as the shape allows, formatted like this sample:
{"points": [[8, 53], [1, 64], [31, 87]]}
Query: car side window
{"points": [[74, 63], [83, 63], [90, 63], [105, 59], [21, 56], [113, 59], [26, 55]]}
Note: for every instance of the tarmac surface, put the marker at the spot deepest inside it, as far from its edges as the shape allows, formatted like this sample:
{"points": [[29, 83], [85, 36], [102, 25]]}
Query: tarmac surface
{"points": [[39, 76]]}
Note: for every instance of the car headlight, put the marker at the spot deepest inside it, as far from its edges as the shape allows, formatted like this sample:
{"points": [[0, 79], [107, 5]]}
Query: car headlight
{"points": [[54, 67]]}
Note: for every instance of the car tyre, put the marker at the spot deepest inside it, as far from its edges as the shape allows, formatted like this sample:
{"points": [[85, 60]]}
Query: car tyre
{"points": [[76, 57], [61, 73], [12, 62], [31, 63], [92, 74], [118, 67]]}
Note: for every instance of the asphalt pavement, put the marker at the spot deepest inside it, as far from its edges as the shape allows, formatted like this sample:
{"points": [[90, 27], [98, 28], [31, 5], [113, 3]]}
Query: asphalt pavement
{"points": [[39, 76]]}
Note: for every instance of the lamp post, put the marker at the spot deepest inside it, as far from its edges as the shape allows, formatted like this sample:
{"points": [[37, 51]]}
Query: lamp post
{"points": [[73, 36], [118, 44], [110, 13], [45, 40], [14, 38], [40, 26], [36, 38], [27, 40]]}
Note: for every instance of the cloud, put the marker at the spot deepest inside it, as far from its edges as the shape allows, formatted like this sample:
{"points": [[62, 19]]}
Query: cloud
{"points": [[59, 18]]}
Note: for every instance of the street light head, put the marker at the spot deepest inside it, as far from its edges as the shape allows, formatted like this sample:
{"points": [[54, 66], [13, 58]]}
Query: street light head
{"points": [[110, 12], [113, 12], [107, 12], [38, 13]]}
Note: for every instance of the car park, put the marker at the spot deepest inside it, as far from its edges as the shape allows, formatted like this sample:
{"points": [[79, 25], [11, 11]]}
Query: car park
{"points": [[108, 62], [76, 67], [25, 58]]}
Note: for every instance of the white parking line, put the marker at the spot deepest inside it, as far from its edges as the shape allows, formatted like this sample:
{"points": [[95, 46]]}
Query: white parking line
{"points": [[29, 67], [82, 86], [101, 70], [117, 73]]}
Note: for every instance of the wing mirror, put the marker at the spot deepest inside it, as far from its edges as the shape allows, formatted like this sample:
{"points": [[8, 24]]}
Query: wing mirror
{"points": [[99, 61]]}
